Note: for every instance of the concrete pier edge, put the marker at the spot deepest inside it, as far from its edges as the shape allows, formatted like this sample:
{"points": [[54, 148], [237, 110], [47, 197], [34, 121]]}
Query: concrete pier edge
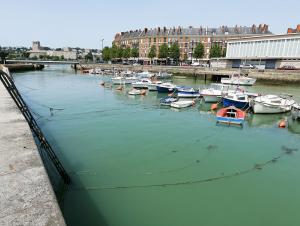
{"points": [[26, 194]]}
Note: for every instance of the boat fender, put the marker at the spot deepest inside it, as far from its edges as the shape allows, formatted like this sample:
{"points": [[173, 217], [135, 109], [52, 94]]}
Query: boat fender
{"points": [[213, 107], [193, 103], [282, 123], [143, 92], [120, 88]]}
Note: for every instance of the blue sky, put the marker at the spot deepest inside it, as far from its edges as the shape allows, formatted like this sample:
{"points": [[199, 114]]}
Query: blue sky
{"points": [[60, 23]]}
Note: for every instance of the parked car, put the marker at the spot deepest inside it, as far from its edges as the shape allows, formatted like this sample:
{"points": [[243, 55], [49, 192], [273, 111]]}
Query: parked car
{"points": [[195, 64], [247, 66], [287, 67]]}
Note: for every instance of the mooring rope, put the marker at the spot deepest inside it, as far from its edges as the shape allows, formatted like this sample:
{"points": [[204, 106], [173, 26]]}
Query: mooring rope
{"points": [[257, 166]]}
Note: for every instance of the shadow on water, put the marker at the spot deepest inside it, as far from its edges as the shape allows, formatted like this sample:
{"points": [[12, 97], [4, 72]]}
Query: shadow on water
{"points": [[78, 208]]}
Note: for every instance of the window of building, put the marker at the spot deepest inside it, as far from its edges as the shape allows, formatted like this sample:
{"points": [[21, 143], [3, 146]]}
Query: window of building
{"points": [[154, 40]]}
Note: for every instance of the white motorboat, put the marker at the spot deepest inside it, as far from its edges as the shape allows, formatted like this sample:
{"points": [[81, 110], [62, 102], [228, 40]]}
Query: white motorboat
{"points": [[296, 111], [145, 74], [166, 88], [137, 92], [187, 92], [141, 84], [214, 92], [152, 85], [272, 104], [238, 79], [182, 103], [125, 78]]}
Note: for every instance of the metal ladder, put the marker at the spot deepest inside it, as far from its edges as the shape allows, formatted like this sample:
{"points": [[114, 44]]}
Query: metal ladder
{"points": [[9, 84]]}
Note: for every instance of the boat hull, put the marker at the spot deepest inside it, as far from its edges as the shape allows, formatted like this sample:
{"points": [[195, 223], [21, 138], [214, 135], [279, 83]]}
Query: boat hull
{"points": [[152, 87], [227, 120], [243, 82], [123, 81], [188, 94], [165, 89], [296, 112], [240, 105], [261, 108], [211, 98], [182, 104]]}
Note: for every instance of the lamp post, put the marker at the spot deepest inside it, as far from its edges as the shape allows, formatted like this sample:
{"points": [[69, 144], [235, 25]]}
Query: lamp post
{"points": [[192, 51], [102, 44]]}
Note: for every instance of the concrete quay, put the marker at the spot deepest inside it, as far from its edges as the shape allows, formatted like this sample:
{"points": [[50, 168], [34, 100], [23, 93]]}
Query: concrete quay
{"points": [[24, 67], [272, 76], [26, 194]]}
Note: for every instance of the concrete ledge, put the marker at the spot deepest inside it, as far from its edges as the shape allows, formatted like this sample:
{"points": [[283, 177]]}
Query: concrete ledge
{"points": [[26, 194]]}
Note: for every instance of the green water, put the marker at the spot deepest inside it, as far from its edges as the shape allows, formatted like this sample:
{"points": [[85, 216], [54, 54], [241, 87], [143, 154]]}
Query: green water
{"points": [[115, 145]]}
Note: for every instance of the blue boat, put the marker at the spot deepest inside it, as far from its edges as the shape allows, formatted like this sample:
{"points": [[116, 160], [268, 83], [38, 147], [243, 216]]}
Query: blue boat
{"points": [[166, 88], [237, 99], [231, 115], [184, 91]]}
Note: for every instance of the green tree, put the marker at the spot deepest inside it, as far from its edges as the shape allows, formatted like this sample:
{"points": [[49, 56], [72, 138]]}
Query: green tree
{"points": [[224, 52], [152, 52], [175, 52], [3, 56], [120, 52], [199, 51], [106, 54], [114, 52], [126, 53], [163, 51], [88, 57], [62, 57], [134, 52], [215, 51]]}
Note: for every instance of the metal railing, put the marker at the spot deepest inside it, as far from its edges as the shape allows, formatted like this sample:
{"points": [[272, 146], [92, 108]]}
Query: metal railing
{"points": [[9, 84]]}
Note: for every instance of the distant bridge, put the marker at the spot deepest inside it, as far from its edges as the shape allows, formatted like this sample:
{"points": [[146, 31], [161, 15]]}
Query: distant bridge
{"points": [[43, 62]]}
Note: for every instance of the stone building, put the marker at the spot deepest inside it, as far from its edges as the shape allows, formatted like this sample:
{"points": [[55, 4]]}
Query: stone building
{"points": [[38, 50], [187, 38]]}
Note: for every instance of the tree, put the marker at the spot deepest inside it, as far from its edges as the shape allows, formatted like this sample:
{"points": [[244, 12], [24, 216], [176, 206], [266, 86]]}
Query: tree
{"points": [[88, 57], [163, 51], [185, 57], [199, 51], [215, 51], [175, 52], [114, 52], [152, 52], [3, 55], [62, 57], [134, 52], [120, 52], [106, 54], [224, 52], [126, 53]]}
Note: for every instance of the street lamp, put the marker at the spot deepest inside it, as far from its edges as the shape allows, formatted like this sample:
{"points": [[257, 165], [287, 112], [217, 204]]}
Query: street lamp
{"points": [[102, 44], [192, 51]]}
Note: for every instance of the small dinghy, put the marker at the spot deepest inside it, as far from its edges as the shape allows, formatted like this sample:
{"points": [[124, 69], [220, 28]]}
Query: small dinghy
{"points": [[166, 101], [137, 92], [231, 115], [182, 103]]}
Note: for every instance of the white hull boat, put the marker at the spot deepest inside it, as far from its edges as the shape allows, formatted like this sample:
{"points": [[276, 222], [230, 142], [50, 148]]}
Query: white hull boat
{"points": [[182, 103], [152, 86], [270, 104], [237, 79], [123, 80], [137, 92], [214, 93], [142, 84], [296, 111]]}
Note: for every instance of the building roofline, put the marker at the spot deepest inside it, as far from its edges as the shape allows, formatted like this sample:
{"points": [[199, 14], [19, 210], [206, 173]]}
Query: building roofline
{"points": [[265, 36]]}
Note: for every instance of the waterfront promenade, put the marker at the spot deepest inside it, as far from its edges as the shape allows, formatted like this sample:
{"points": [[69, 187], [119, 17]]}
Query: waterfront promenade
{"points": [[26, 194], [273, 76]]}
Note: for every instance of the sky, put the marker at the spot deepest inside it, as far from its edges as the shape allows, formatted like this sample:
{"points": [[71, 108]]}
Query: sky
{"points": [[83, 23]]}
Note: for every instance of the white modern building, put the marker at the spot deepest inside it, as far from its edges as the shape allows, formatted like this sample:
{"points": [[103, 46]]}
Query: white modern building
{"points": [[272, 51]]}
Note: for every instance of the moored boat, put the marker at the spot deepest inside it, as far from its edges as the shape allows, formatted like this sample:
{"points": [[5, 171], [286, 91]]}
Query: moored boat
{"points": [[268, 104], [231, 115], [238, 79], [137, 92], [165, 88], [166, 101], [187, 92], [296, 111], [152, 85], [182, 103], [237, 99], [141, 84], [214, 92], [163, 75]]}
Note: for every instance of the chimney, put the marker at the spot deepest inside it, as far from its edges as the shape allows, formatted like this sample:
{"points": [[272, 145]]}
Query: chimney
{"points": [[290, 30]]}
